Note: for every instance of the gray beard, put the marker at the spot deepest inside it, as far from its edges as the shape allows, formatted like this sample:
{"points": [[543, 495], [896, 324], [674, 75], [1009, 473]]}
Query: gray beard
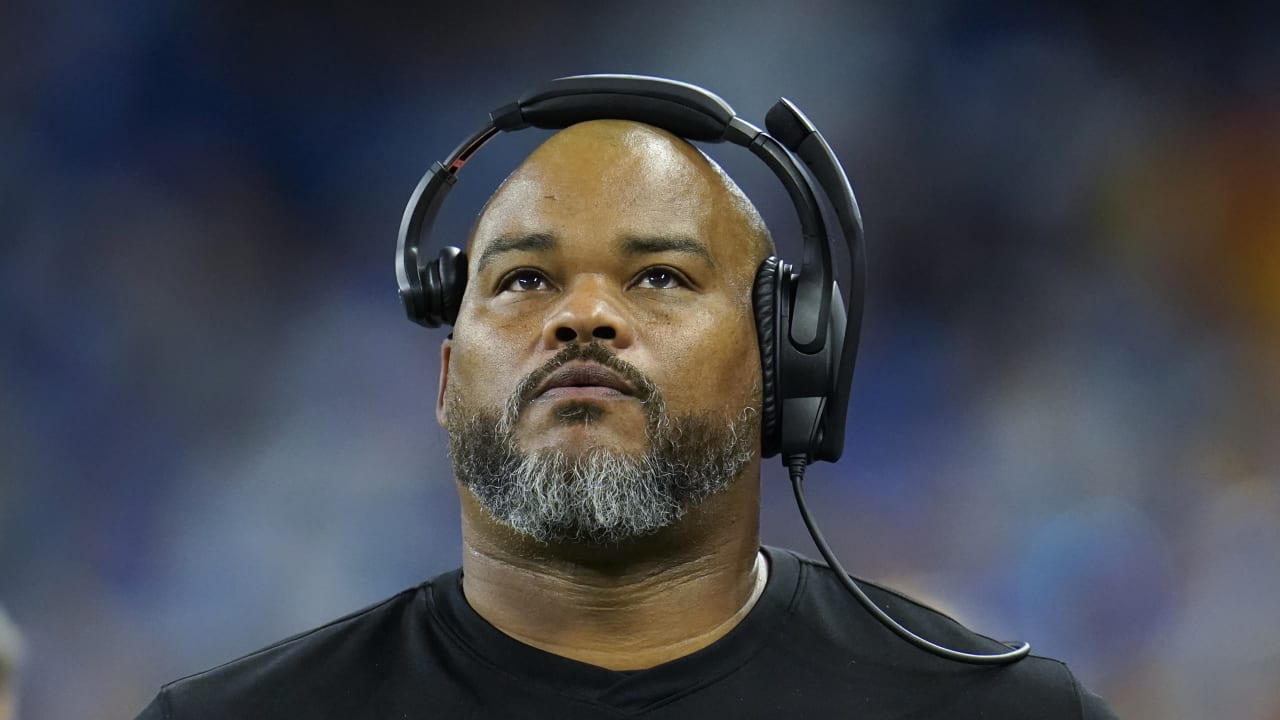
{"points": [[602, 495]]}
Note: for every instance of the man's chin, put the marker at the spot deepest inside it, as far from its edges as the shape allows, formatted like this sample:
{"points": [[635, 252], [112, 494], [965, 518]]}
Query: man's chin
{"points": [[581, 435], [610, 483]]}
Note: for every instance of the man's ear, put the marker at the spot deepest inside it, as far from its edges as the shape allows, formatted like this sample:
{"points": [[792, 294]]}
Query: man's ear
{"points": [[446, 349]]}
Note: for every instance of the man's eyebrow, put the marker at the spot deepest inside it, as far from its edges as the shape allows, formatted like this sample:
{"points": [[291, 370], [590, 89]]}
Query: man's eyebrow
{"points": [[515, 243], [653, 244]]}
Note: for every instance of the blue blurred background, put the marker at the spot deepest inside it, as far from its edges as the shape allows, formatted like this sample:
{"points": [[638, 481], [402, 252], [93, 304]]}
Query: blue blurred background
{"points": [[216, 425]]}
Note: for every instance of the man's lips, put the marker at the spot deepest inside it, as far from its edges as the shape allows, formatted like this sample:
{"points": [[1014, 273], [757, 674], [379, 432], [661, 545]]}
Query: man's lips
{"points": [[583, 381]]}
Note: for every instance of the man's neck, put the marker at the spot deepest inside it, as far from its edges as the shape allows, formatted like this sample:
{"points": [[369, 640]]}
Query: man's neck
{"points": [[621, 608]]}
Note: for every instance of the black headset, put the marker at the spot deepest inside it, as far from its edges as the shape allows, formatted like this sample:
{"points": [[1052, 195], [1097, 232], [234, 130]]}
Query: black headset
{"points": [[808, 334]]}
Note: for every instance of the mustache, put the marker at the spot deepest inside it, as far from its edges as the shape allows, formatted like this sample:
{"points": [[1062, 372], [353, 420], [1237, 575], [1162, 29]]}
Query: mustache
{"points": [[595, 352]]}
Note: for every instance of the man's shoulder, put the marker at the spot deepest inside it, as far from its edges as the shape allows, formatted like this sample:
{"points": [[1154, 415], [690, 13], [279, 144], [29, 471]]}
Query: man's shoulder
{"points": [[825, 603], [833, 617], [361, 648]]}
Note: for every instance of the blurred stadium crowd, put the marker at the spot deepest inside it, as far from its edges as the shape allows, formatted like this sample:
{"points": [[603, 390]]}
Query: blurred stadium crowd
{"points": [[216, 427]]}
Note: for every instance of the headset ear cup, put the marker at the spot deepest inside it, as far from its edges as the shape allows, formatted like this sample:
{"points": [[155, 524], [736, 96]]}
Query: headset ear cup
{"points": [[765, 301], [414, 302], [443, 280], [453, 282], [430, 278]]}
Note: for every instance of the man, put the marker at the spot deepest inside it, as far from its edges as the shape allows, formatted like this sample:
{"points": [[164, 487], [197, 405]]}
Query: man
{"points": [[601, 391]]}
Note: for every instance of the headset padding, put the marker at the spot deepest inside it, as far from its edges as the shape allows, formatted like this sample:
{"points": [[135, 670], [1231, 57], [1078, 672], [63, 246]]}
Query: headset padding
{"points": [[764, 300]]}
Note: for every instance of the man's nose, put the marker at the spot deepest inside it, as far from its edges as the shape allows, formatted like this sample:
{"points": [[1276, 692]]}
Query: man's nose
{"points": [[590, 310]]}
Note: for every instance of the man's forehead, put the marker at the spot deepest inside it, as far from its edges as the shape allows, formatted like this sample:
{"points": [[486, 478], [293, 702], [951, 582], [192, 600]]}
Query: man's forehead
{"points": [[612, 177], [596, 204]]}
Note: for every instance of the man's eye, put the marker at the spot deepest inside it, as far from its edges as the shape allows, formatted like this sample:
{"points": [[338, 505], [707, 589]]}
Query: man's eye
{"points": [[525, 281], [659, 279]]}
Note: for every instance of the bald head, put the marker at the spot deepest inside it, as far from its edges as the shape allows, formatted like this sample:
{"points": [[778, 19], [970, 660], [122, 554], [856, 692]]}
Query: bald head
{"points": [[636, 169]]}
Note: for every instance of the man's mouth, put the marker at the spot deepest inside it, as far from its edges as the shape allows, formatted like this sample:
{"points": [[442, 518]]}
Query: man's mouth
{"points": [[583, 381]]}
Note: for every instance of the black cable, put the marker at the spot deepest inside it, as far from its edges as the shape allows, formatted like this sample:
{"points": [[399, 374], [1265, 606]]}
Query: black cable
{"points": [[796, 465]]}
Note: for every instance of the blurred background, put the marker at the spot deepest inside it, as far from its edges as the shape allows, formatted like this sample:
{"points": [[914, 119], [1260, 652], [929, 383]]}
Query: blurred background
{"points": [[216, 425]]}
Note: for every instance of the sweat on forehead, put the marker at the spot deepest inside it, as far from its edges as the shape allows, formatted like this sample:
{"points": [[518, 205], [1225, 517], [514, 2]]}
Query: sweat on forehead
{"points": [[629, 167]]}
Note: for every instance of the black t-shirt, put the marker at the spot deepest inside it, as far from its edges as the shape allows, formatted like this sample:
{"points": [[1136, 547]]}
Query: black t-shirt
{"points": [[807, 649]]}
